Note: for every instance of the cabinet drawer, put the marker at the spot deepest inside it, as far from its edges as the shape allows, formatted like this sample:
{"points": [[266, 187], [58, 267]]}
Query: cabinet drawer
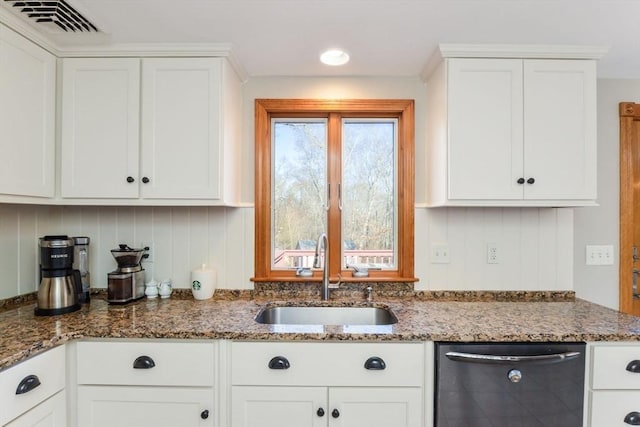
{"points": [[610, 367], [47, 369], [336, 364], [156, 363], [609, 408]]}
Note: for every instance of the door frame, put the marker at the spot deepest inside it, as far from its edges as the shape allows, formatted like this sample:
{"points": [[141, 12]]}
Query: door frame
{"points": [[628, 112]]}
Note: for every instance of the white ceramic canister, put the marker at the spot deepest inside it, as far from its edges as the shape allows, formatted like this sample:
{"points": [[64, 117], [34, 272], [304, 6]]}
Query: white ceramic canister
{"points": [[165, 288], [203, 282]]}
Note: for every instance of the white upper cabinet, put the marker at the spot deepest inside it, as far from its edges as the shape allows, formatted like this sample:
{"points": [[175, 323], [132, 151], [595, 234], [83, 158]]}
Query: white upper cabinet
{"points": [[512, 132], [181, 136], [27, 117], [100, 127], [150, 131], [485, 129], [560, 140]]}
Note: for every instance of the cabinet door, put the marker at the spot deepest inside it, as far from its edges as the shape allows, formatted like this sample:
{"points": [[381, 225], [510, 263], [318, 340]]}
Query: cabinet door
{"points": [[375, 407], [560, 129], [100, 125], [144, 406], [279, 407], [27, 117], [50, 413], [610, 408], [485, 129], [181, 128]]}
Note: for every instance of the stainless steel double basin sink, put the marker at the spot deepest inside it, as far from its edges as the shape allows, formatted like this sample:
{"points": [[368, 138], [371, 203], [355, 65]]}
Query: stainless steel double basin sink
{"points": [[325, 315]]}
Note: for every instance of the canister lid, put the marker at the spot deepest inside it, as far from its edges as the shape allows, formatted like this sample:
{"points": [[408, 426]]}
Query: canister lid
{"points": [[57, 241], [81, 240]]}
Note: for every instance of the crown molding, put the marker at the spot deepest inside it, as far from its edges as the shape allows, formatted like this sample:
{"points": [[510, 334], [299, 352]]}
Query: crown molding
{"points": [[532, 51], [24, 28], [144, 50]]}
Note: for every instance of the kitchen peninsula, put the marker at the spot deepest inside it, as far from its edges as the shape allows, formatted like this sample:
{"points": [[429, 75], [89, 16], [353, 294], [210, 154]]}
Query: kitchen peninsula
{"points": [[216, 345]]}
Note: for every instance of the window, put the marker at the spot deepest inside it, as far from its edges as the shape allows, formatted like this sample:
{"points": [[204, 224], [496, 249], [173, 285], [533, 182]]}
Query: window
{"points": [[344, 168]]}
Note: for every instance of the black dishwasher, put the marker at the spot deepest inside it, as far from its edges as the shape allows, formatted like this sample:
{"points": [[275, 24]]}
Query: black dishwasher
{"points": [[509, 384]]}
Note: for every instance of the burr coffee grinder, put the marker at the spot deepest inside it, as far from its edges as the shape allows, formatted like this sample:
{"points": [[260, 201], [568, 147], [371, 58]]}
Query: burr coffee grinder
{"points": [[126, 283]]}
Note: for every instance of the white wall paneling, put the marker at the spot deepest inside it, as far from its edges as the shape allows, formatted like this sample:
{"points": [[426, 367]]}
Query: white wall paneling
{"points": [[535, 244], [535, 248], [182, 239]]}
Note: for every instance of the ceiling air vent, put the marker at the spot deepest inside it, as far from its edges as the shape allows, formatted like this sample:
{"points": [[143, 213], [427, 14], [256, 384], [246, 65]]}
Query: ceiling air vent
{"points": [[56, 16]]}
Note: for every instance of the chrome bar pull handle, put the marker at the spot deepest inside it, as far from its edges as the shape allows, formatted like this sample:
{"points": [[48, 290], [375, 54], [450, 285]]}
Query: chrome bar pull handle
{"points": [[340, 196], [634, 282], [500, 359]]}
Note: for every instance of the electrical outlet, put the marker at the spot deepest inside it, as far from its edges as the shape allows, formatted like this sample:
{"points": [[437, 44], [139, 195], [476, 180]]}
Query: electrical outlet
{"points": [[148, 255], [599, 254], [493, 256], [440, 254]]}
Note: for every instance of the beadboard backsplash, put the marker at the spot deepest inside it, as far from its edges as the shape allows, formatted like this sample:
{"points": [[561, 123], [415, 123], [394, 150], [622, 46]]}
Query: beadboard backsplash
{"points": [[535, 245]]}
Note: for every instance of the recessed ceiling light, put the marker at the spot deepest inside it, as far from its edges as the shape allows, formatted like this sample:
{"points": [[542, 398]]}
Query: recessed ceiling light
{"points": [[334, 57]]}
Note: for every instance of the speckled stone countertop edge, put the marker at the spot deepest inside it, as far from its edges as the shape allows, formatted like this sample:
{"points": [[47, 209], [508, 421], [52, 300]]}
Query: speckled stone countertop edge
{"points": [[348, 291], [229, 316]]}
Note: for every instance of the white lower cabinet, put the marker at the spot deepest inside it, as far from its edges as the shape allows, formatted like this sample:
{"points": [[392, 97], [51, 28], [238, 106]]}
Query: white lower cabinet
{"points": [[376, 407], [614, 385], [279, 406], [115, 406], [50, 413], [327, 384], [32, 392], [145, 383], [322, 406]]}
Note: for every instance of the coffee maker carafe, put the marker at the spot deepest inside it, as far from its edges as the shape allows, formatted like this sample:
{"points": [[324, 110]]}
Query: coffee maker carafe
{"points": [[126, 283], [59, 283]]}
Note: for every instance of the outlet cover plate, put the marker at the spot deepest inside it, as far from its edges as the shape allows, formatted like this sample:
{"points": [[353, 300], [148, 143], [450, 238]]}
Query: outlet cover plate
{"points": [[493, 255]]}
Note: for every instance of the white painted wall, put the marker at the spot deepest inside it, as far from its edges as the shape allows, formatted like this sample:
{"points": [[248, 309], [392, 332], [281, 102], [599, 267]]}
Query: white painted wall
{"points": [[535, 245], [600, 225]]}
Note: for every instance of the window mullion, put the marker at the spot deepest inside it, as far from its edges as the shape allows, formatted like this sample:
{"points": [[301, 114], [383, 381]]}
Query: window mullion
{"points": [[334, 177]]}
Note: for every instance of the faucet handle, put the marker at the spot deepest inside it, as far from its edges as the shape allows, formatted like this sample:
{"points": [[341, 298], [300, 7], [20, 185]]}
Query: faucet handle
{"points": [[337, 284]]}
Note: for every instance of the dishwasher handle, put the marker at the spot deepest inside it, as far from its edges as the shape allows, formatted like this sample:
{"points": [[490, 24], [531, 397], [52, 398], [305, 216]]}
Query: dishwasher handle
{"points": [[504, 359]]}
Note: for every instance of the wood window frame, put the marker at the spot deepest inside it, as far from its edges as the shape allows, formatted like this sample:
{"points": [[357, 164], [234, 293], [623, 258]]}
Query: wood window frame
{"points": [[401, 109]]}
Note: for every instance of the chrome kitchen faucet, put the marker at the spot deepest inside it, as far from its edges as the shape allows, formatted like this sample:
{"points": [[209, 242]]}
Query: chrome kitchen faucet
{"points": [[323, 243]]}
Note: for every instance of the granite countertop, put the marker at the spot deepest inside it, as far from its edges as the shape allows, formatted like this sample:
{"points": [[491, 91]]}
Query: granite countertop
{"points": [[24, 334]]}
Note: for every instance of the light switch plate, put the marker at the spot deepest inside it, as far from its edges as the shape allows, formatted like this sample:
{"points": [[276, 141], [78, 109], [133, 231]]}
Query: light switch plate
{"points": [[599, 255]]}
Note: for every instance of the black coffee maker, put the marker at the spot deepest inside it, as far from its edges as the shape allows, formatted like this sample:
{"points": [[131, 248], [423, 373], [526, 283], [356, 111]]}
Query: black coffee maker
{"points": [[60, 284]]}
